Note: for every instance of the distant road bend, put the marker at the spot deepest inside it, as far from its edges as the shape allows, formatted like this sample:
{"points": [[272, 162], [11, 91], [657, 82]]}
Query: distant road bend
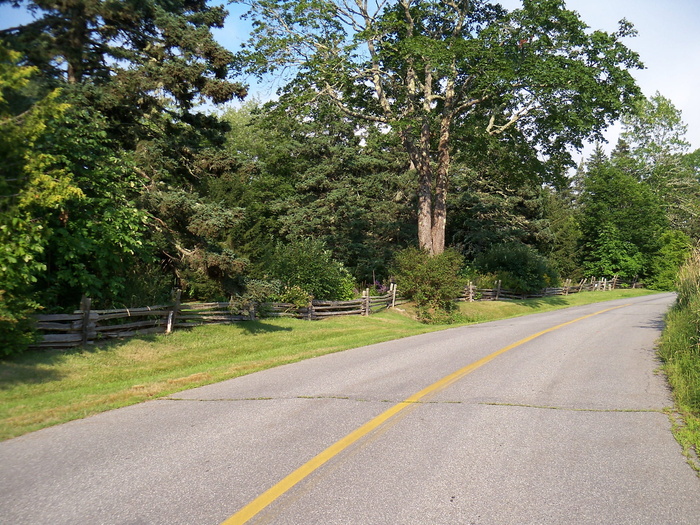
{"points": [[553, 418]]}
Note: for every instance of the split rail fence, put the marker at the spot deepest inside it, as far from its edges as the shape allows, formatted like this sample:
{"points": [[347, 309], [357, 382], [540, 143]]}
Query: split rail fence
{"points": [[472, 293], [85, 326]]}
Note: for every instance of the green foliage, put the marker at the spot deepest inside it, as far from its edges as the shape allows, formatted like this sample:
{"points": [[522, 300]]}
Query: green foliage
{"points": [[129, 59], [295, 295], [486, 210], [563, 225], [131, 140], [33, 184], [609, 255], [16, 325], [665, 265], [519, 267], [429, 69], [433, 282], [653, 140], [621, 220], [307, 170], [93, 240], [308, 265]]}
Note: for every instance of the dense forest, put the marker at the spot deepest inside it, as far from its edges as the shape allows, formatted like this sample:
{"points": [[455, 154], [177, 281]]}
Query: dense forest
{"points": [[434, 134]]}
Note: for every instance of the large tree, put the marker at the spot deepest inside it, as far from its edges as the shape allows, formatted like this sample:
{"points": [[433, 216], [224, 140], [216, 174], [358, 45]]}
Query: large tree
{"points": [[429, 69]]}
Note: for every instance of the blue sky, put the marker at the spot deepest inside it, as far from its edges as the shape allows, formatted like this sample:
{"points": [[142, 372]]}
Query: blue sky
{"points": [[668, 43]]}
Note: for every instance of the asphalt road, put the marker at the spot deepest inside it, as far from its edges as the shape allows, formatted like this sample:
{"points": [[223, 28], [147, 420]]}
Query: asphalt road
{"points": [[567, 427]]}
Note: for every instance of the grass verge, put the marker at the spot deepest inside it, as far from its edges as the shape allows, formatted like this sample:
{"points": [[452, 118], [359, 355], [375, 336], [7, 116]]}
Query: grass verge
{"points": [[679, 349], [40, 389]]}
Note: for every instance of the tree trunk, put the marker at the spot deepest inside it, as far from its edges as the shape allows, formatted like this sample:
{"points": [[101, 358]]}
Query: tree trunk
{"points": [[425, 210], [441, 184], [432, 196]]}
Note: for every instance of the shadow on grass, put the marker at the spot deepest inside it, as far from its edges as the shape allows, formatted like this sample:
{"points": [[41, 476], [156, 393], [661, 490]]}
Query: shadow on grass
{"points": [[260, 327], [33, 367], [37, 366], [544, 301]]}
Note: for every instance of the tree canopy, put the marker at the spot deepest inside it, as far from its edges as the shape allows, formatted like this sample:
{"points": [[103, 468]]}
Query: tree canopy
{"points": [[438, 73]]}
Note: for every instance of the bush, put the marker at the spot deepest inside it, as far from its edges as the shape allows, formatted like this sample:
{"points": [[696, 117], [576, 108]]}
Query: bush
{"points": [[16, 324], [520, 268], [308, 265], [675, 248], [294, 295], [433, 282]]}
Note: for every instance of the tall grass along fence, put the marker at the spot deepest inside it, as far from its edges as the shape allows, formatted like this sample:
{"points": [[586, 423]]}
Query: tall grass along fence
{"points": [[85, 326]]}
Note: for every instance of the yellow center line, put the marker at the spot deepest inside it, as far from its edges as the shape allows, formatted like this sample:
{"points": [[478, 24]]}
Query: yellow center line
{"points": [[270, 495]]}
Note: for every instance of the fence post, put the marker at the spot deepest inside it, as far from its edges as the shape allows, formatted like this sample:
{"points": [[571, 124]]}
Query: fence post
{"points": [[310, 311], [393, 295], [365, 302], [470, 292], [498, 289], [85, 304], [172, 316], [251, 311]]}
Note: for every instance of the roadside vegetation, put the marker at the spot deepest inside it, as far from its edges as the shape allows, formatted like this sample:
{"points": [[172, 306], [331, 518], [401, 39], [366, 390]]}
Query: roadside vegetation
{"points": [[680, 351], [126, 175], [41, 389]]}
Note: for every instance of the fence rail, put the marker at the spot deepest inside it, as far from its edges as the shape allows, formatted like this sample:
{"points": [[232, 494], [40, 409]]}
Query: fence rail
{"points": [[472, 293], [85, 326]]}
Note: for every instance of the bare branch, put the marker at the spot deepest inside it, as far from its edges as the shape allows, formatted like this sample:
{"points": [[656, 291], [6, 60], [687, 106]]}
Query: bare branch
{"points": [[492, 129]]}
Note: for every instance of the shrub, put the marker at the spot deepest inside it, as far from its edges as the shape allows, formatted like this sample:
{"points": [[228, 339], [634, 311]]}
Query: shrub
{"points": [[295, 295], [675, 248], [519, 267], [16, 324], [307, 264], [433, 282]]}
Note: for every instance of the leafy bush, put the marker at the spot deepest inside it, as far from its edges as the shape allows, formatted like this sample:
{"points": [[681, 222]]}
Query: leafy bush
{"points": [[611, 255], [16, 324], [433, 282], [519, 267], [675, 248], [307, 264], [294, 295]]}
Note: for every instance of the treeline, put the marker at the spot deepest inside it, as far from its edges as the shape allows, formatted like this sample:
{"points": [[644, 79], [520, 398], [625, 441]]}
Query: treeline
{"points": [[117, 185]]}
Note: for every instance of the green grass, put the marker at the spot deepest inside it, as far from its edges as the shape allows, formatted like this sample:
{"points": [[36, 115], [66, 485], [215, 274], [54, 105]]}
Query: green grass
{"points": [[40, 389], [680, 351]]}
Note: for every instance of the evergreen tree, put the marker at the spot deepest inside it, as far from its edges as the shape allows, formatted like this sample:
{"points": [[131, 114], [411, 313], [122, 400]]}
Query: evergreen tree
{"points": [[133, 74]]}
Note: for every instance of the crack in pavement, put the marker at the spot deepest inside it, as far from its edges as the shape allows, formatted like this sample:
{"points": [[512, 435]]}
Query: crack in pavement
{"points": [[664, 410]]}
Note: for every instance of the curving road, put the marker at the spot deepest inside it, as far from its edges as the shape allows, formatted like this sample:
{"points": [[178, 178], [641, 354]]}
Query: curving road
{"points": [[534, 420]]}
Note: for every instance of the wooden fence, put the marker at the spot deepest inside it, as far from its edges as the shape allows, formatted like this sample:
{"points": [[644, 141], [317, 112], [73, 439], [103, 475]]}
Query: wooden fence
{"points": [[472, 293], [85, 326]]}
